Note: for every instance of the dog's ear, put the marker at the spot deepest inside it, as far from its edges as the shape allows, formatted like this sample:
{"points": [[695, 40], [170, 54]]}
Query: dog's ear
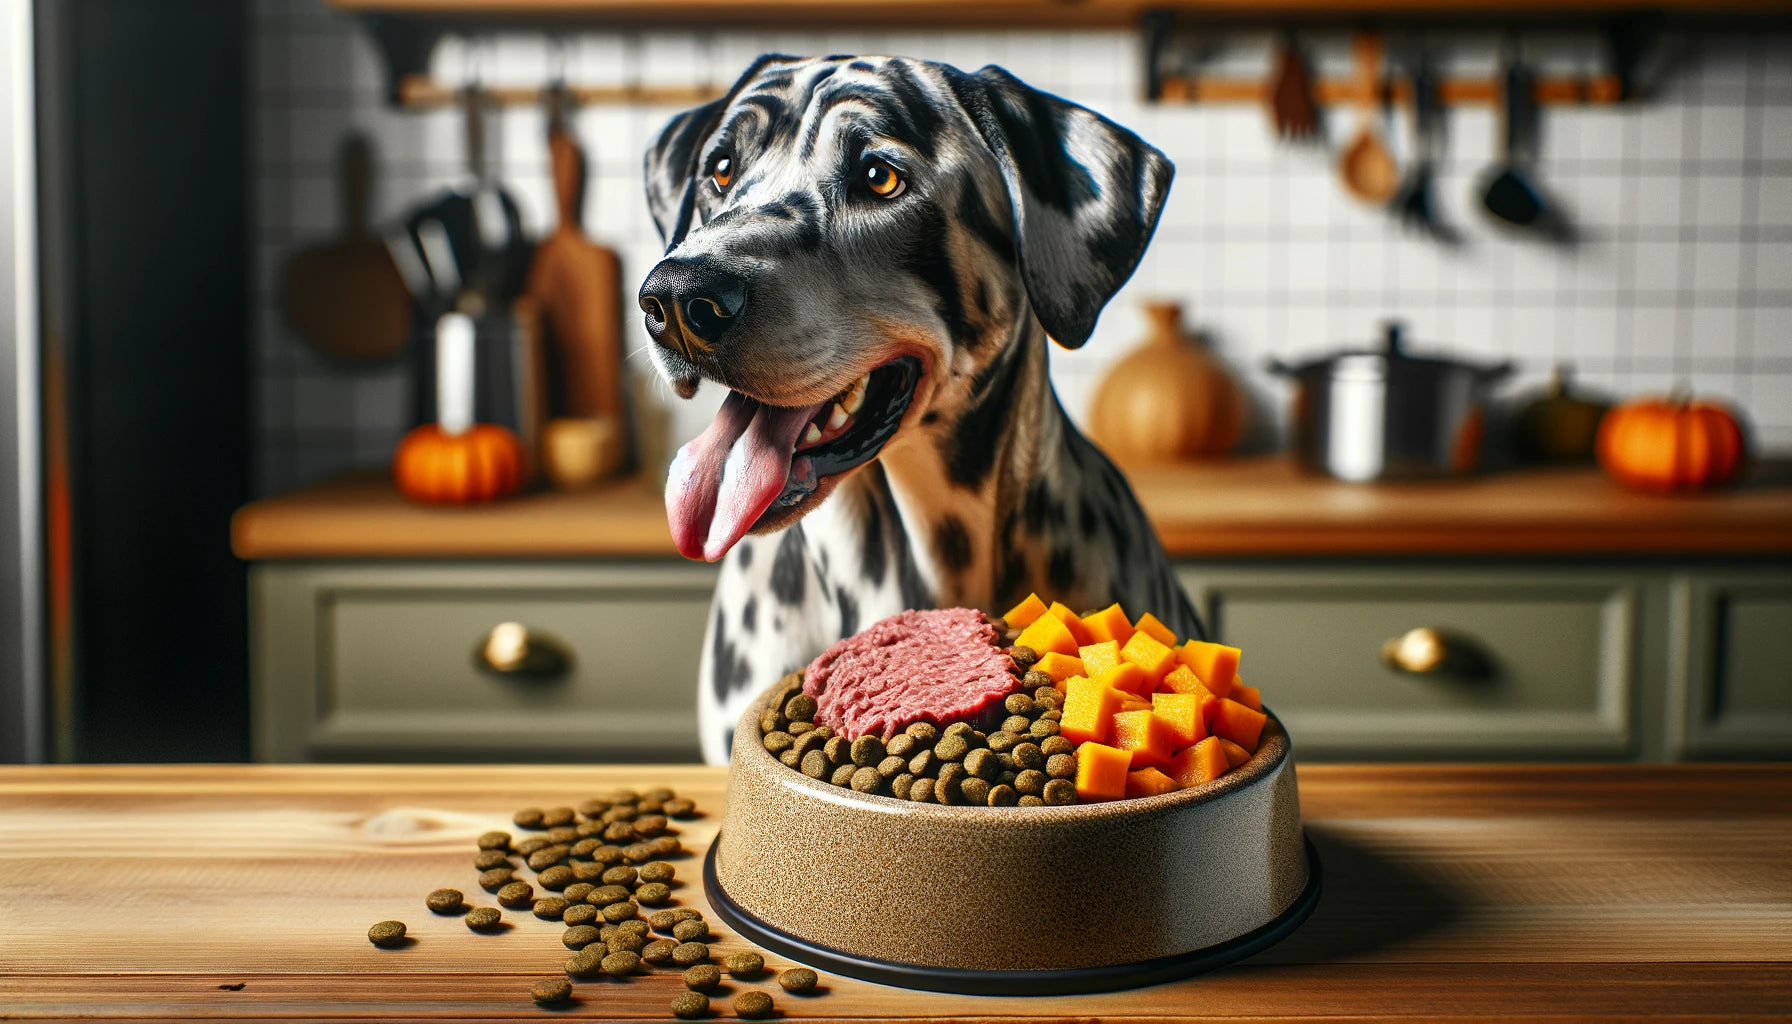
{"points": [[1085, 195], [670, 166]]}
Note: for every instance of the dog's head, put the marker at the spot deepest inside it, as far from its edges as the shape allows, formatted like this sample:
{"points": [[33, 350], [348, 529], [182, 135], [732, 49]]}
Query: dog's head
{"points": [[850, 244]]}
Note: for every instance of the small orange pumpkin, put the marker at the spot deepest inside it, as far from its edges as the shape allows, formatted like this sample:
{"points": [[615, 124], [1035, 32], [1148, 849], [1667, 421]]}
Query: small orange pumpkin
{"points": [[1671, 444], [481, 463]]}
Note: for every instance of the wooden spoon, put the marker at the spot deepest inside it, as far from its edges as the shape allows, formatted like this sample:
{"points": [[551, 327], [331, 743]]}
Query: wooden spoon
{"points": [[1367, 168], [346, 297]]}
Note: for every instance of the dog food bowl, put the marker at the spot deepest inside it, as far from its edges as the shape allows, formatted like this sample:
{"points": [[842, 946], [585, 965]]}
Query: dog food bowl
{"points": [[1008, 900]]}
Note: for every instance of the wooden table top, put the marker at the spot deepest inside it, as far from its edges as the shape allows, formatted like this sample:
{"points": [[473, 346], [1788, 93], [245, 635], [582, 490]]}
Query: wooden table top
{"points": [[1229, 508], [1451, 894]]}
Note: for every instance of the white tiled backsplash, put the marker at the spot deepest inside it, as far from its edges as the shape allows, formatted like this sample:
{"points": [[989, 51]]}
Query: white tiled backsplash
{"points": [[1683, 205]]}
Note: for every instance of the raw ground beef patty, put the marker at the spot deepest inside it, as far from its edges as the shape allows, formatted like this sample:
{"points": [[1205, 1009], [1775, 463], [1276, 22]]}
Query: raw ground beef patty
{"points": [[919, 666]]}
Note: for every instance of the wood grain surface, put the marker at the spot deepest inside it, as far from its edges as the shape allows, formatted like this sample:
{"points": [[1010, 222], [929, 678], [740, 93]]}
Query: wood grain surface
{"points": [[1451, 894], [1236, 507]]}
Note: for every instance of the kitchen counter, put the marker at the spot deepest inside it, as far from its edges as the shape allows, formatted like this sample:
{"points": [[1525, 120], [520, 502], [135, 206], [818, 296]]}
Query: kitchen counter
{"points": [[1451, 894], [1233, 508]]}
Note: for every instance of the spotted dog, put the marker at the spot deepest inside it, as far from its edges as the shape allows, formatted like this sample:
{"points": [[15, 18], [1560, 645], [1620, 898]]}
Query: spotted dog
{"points": [[869, 253]]}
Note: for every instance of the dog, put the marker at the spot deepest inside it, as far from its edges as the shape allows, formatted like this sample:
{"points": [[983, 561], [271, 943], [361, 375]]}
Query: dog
{"points": [[869, 253]]}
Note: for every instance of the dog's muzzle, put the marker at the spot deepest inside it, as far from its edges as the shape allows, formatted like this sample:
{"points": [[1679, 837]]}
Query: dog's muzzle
{"points": [[690, 304]]}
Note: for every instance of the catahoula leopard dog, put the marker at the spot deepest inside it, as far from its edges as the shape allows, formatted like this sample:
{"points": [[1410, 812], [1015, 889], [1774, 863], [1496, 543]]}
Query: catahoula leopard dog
{"points": [[869, 254]]}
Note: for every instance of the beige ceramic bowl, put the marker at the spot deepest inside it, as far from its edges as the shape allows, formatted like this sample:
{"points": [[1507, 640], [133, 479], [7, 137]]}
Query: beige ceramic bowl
{"points": [[1009, 899]]}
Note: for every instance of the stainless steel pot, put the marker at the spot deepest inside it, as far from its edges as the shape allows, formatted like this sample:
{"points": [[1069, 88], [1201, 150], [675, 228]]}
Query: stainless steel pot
{"points": [[1383, 414]]}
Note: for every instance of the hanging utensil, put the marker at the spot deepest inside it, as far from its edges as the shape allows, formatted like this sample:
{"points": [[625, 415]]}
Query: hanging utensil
{"points": [[1291, 106], [347, 297], [1366, 167], [1510, 193], [1415, 204]]}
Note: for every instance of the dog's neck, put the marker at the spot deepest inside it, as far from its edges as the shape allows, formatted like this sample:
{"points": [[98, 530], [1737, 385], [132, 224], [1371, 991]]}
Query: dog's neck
{"points": [[957, 540]]}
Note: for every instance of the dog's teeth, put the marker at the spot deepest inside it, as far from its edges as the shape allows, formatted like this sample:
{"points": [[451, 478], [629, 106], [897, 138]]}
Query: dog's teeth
{"points": [[838, 417], [811, 435], [854, 400]]}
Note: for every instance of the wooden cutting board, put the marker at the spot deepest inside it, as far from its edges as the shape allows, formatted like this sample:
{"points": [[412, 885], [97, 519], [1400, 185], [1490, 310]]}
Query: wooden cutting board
{"points": [[346, 297], [578, 285]]}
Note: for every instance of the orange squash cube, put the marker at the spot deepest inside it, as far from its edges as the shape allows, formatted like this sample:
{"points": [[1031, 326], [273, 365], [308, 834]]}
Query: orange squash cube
{"points": [[1203, 762], [1099, 656], [1109, 624], [1128, 678], [1148, 782], [1047, 634], [1149, 739], [1238, 723], [1089, 708], [1247, 695], [1131, 703], [1060, 667], [1155, 658], [1071, 622], [1182, 679], [1101, 772], [1161, 633], [1235, 754], [1025, 613], [1186, 715], [1216, 665]]}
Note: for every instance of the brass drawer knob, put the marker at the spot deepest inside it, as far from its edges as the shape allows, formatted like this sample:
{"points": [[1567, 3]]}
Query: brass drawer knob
{"points": [[513, 649], [1417, 651]]}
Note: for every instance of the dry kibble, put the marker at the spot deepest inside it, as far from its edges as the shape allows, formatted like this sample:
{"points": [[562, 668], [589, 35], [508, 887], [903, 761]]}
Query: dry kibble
{"points": [[584, 847], [659, 951], [1001, 796], [778, 741], [489, 859], [1028, 755], [638, 853], [945, 788], [838, 750], [1042, 728], [577, 891], [921, 790], [921, 763], [607, 855], [563, 834], [579, 937], [530, 845], [900, 785], [1016, 724], [496, 878], [1025, 657], [594, 807], [621, 964], [1030, 783], [587, 871], [446, 901], [621, 874], [662, 920], [666, 846], [1055, 745], [547, 857], [815, 764], [1054, 715], [691, 931], [1036, 680], [516, 895], [843, 775], [981, 763], [619, 832], [689, 1005], [952, 747], [494, 840], [794, 729], [753, 1004], [649, 825], [579, 913], [586, 963], [1031, 801], [653, 894], [588, 829], [1059, 792], [1018, 703], [550, 908], [1001, 741], [798, 980], [605, 895], [625, 942], [387, 934], [484, 919], [679, 807], [620, 812], [551, 990], [616, 913], [975, 791], [657, 871], [901, 745], [800, 708], [925, 733], [528, 817], [554, 817], [703, 978], [866, 780], [743, 964], [557, 878], [686, 914], [867, 751], [958, 729], [688, 953], [1061, 766]]}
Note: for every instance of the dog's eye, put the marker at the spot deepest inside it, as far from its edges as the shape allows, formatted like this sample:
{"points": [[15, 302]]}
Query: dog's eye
{"points": [[722, 173], [882, 180]]}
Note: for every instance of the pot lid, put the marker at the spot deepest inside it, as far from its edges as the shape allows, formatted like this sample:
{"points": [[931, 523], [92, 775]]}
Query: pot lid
{"points": [[1376, 363]]}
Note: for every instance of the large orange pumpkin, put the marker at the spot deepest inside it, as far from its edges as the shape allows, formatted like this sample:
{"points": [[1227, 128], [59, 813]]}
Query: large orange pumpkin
{"points": [[1671, 444], [481, 463]]}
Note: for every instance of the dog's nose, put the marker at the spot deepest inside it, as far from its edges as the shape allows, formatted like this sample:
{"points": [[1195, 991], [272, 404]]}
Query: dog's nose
{"points": [[694, 296]]}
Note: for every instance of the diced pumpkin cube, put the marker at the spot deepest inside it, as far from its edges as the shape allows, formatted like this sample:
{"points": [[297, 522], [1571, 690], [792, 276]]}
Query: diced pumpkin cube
{"points": [[1203, 762], [1155, 658], [1089, 708], [1109, 624], [1131, 703], [1047, 634], [1060, 667], [1101, 772], [1235, 754], [1071, 622], [1184, 712], [1247, 695], [1182, 679], [1148, 782], [1241, 725], [1129, 678], [1161, 633], [1099, 656], [1025, 613], [1216, 665], [1149, 739]]}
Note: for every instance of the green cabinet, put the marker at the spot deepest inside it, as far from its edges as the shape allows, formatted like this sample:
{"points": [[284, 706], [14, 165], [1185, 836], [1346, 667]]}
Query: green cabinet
{"points": [[1730, 664]]}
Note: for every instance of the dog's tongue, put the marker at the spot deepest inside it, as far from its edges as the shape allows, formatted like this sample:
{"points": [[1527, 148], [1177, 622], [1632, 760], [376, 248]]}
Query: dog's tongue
{"points": [[722, 482]]}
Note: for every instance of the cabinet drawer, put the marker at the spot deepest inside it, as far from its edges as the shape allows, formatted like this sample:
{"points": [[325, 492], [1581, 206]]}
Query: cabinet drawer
{"points": [[1542, 663], [1732, 669], [378, 661]]}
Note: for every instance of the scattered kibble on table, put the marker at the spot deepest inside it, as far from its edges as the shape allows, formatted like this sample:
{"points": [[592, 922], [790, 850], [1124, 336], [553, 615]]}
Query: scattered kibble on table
{"points": [[387, 934]]}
